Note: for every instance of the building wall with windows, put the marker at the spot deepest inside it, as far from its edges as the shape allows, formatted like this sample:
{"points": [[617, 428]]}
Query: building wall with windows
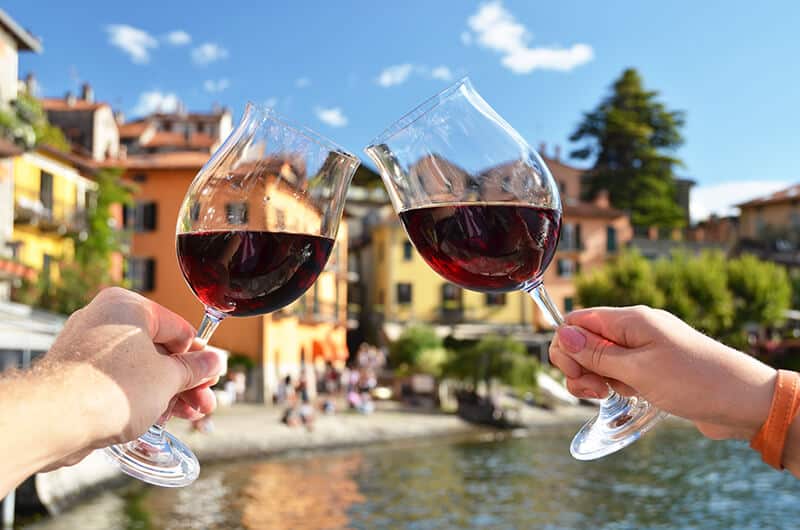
{"points": [[50, 197], [778, 211]]}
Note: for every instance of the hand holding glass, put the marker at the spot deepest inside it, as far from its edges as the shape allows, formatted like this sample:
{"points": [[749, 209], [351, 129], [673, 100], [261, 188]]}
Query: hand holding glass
{"points": [[255, 229], [484, 212]]}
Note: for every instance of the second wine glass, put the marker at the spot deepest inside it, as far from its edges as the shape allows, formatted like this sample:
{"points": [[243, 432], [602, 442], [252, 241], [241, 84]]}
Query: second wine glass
{"points": [[484, 212], [254, 232]]}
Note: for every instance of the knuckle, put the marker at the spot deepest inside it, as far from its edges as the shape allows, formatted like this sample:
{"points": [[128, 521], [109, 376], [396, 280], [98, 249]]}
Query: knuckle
{"points": [[599, 352]]}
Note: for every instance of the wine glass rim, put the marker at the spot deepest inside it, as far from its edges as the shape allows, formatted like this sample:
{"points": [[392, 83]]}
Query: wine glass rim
{"points": [[417, 112], [269, 113]]}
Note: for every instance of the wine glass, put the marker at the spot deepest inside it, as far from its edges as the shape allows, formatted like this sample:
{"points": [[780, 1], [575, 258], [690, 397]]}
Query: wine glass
{"points": [[254, 231], [484, 212]]}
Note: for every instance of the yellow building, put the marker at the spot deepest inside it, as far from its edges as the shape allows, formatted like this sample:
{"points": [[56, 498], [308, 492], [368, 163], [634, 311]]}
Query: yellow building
{"points": [[50, 197]]}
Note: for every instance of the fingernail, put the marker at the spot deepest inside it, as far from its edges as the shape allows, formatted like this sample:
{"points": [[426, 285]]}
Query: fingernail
{"points": [[571, 338]]}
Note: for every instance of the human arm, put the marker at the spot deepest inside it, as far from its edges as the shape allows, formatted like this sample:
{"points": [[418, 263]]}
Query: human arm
{"points": [[106, 379]]}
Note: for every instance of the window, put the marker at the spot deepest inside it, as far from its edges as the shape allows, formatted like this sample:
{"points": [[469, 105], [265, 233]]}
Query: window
{"points": [[236, 213], [566, 267], [47, 261], [140, 178], [495, 299], [194, 213], [15, 247], [407, 251], [46, 191], [403, 293], [141, 217], [569, 304], [141, 273], [611, 239]]}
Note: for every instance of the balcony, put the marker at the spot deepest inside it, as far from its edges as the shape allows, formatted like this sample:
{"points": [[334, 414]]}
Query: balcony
{"points": [[57, 216], [451, 314]]}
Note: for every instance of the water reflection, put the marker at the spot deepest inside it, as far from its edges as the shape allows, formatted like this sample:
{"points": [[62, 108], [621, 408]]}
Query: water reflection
{"points": [[307, 494], [672, 478]]}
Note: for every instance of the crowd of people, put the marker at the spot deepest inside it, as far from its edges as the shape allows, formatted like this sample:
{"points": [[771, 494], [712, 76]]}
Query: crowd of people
{"points": [[350, 386]]}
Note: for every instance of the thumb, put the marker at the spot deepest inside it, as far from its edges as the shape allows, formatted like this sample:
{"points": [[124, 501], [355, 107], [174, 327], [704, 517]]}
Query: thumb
{"points": [[188, 370], [593, 352]]}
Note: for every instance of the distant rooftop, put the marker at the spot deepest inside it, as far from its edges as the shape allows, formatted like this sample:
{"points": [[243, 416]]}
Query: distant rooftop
{"points": [[792, 193]]}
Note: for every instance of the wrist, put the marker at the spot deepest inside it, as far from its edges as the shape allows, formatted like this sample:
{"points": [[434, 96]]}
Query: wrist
{"points": [[744, 397]]}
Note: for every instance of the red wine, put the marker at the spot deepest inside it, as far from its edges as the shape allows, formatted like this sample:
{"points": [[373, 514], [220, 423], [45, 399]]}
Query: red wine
{"points": [[485, 246], [248, 272]]}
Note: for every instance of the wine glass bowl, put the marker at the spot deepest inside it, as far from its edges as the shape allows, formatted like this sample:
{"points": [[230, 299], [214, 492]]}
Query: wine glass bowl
{"points": [[484, 212], [254, 232]]}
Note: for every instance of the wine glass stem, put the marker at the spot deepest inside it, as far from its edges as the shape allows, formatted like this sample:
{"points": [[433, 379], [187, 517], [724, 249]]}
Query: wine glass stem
{"points": [[612, 401], [208, 325]]}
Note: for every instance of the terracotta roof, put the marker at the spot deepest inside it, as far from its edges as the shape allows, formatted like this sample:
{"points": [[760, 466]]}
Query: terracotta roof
{"points": [[61, 105], [201, 140], [171, 160], [132, 129], [166, 139], [8, 148], [792, 193], [192, 116], [588, 209]]}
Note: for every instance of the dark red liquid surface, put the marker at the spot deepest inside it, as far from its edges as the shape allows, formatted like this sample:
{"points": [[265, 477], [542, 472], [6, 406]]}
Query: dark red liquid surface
{"points": [[485, 246], [244, 272]]}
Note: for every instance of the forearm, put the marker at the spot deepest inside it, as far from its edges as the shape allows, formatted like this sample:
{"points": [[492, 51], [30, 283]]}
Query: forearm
{"points": [[39, 422]]}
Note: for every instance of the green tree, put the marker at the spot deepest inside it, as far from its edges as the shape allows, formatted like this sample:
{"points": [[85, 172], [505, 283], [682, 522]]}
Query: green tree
{"points": [[761, 290], [696, 290], [631, 136], [417, 349], [25, 123], [627, 280], [795, 279], [493, 358]]}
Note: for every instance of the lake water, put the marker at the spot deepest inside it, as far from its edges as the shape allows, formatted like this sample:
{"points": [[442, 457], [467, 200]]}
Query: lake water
{"points": [[672, 478]]}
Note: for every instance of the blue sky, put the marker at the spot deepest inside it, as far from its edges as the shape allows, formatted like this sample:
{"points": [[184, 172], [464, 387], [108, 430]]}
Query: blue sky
{"points": [[348, 69]]}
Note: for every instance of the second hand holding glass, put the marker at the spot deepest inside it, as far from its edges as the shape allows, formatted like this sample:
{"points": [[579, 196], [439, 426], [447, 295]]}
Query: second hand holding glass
{"points": [[484, 212]]}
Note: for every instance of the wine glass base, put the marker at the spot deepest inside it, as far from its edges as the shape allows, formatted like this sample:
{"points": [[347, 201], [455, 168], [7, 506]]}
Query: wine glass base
{"points": [[166, 462], [615, 428]]}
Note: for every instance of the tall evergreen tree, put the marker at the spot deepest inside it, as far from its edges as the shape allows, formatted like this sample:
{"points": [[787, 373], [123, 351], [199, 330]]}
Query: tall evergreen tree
{"points": [[631, 136]]}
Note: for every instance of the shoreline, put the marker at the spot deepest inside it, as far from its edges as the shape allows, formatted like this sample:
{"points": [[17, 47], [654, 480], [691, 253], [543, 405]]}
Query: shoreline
{"points": [[245, 431]]}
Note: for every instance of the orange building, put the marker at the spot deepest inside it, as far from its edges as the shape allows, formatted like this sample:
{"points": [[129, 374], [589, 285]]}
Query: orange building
{"points": [[777, 212], [306, 334]]}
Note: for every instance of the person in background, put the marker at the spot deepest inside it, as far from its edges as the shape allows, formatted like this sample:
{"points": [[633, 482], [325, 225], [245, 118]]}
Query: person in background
{"points": [[111, 373], [642, 351]]}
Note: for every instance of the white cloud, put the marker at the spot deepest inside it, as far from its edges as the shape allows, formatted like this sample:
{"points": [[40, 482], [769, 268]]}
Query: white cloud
{"points": [[395, 75], [156, 101], [442, 73], [219, 85], [271, 102], [178, 37], [136, 42], [208, 52], [332, 116], [721, 198], [496, 28], [302, 82]]}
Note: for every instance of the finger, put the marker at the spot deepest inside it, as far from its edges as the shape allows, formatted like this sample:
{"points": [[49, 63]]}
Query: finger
{"points": [[593, 352], [169, 329], [188, 370], [588, 386], [621, 388], [185, 411], [201, 399], [564, 362]]}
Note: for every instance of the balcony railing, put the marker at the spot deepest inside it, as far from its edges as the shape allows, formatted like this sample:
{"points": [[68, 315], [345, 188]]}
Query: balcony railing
{"points": [[58, 216]]}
